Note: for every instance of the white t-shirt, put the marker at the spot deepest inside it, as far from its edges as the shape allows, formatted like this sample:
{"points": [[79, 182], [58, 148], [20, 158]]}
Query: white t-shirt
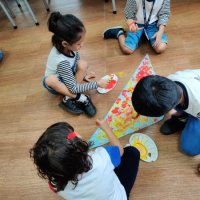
{"points": [[148, 6], [55, 58], [191, 80], [99, 183]]}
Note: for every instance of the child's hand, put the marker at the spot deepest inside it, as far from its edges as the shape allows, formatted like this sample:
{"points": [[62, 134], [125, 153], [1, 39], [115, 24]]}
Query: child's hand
{"points": [[132, 26], [111, 136], [88, 76], [102, 124], [158, 37], [102, 83]]}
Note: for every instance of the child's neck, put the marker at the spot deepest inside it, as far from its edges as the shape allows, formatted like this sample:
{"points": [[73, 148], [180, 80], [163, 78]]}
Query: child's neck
{"points": [[67, 52], [182, 100]]}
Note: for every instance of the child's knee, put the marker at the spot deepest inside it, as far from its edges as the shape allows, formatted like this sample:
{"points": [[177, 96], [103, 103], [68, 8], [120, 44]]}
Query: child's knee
{"points": [[161, 48], [127, 51], [133, 151], [50, 80], [83, 65]]}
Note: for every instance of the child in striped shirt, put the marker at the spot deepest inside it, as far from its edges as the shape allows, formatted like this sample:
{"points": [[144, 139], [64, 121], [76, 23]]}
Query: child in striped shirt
{"points": [[64, 70]]}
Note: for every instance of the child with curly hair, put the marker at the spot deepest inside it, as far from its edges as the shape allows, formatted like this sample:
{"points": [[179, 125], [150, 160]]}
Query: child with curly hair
{"points": [[73, 172]]}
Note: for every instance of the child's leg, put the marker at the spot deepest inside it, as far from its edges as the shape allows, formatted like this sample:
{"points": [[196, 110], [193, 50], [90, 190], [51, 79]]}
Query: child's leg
{"points": [[54, 86], [153, 29], [161, 48], [58, 86], [124, 49], [127, 44], [190, 137], [80, 75], [130, 43], [127, 170], [82, 68], [82, 72]]}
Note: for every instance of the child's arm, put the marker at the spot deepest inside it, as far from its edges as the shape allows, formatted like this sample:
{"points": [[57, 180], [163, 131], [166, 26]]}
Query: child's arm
{"points": [[158, 35], [113, 139], [130, 10], [65, 72], [130, 15], [164, 13], [163, 17]]}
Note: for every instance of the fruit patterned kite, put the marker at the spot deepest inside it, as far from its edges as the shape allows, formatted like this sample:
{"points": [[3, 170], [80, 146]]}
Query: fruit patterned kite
{"points": [[122, 118]]}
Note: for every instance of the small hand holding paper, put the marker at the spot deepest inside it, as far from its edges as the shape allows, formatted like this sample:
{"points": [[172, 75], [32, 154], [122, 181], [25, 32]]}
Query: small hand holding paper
{"points": [[103, 83]]}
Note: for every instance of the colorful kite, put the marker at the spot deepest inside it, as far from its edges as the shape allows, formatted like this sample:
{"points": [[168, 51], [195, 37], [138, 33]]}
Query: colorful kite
{"points": [[122, 118]]}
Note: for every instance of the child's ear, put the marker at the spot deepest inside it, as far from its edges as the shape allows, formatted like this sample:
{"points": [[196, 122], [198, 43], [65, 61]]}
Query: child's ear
{"points": [[65, 44]]}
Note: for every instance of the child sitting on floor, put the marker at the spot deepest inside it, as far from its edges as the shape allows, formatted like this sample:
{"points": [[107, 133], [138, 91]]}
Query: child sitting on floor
{"points": [[147, 17], [63, 158], [64, 70], [178, 95]]}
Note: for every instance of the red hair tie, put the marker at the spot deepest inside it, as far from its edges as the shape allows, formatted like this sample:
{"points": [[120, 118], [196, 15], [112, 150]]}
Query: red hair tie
{"points": [[52, 188], [71, 135]]}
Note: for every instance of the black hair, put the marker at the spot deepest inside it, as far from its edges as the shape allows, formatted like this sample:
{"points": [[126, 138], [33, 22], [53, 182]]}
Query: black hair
{"points": [[155, 96], [65, 28], [59, 159]]}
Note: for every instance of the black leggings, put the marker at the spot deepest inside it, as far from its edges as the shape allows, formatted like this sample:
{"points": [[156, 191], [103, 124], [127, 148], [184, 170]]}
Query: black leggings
{"points": [[128, 168]]}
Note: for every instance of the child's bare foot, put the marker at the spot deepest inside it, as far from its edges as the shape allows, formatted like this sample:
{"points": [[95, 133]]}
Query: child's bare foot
{"points": [[88, 76]]}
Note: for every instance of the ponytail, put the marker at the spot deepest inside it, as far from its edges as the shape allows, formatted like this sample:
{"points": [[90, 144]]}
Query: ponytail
{"points": [[65, 28], [53, 20]]}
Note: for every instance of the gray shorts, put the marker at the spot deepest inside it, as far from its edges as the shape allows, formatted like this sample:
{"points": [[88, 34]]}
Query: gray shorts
{"points": [[51, 90]]}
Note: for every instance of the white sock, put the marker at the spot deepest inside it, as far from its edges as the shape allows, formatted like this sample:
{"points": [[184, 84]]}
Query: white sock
{"points": [[82, 98], [66, 98], [120, 33]]}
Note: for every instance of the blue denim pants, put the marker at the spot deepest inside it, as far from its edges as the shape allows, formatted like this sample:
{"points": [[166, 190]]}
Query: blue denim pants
{"points": [[133, 38], [190, 137]]}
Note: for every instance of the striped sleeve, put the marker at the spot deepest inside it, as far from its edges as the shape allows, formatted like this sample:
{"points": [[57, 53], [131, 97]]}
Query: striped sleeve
{"points": [[130, 9], [65, 72], [164, 13], [77, 57]]}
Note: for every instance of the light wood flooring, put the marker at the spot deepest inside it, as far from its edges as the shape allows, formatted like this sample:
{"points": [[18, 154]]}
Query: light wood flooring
{"points": [[26, 109]]}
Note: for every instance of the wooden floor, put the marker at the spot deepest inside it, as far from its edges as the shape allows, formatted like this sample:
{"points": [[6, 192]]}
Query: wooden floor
{"points": [[26, 109]]}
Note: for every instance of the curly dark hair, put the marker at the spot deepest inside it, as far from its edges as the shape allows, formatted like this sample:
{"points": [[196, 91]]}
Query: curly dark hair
{"points": [[65, 28], [58, 159]]}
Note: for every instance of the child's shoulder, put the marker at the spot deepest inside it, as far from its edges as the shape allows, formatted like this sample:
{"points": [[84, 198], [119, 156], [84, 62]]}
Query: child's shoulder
{"points": [[56, 54], [54, 50], [99, 153]]}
